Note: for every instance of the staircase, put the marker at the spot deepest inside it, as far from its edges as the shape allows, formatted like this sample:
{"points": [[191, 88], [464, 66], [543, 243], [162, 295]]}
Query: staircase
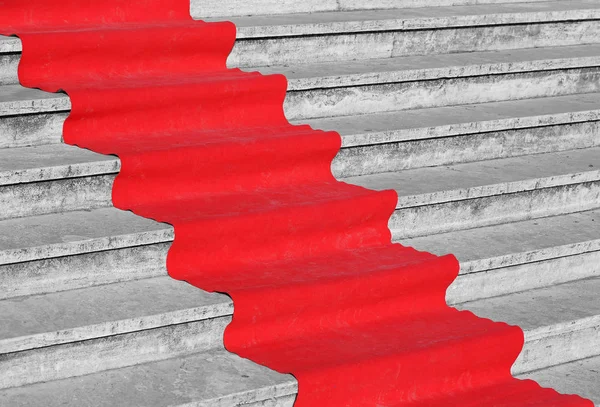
{"points": [[483, 115]]}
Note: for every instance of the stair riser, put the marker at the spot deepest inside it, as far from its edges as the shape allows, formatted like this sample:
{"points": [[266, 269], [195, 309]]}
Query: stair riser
{"points": [[322, 103], [386, 44], [464, 148], [560, 348], [285, 401], [39, 198], [80, 358], [84, 270], [523, 277], [494, 210], [213, 8], [30, 130], [8, 68]]}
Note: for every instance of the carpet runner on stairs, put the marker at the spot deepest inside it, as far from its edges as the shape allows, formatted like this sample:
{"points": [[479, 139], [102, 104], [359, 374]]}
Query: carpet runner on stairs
{"points": [[319, 289]]}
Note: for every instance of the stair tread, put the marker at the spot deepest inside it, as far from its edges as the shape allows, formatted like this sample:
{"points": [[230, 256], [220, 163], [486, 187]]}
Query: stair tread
{"points": [[415, 124], [579, 377], [434, 66], [209, 379], [431, 185], [543, 311], [69, 316], [412, 19], [9, 44], [63, 234], [515, 243], [52, 161], [16, 100]]}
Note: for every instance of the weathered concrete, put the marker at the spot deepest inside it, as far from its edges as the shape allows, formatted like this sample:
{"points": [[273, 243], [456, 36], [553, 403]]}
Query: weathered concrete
{"points": [[83, 270], [464, 148], [388, 44], [77, 315], [67, 234], [17, 100], [32, 129], [347, 101], [418, 124], [71, 194], [8, 68], [561, 323], [415, 19], [580, 377], [111, 352], [516, 243], [52, 162], [427, 67], [211, 379], [213, 8], [431, 185]]}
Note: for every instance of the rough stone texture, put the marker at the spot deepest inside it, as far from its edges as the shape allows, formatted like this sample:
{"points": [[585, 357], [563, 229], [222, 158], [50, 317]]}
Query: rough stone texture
{"points": [[494, 210], [52, 162], [416, 19], [523, 277], [214, 8], [464, 148], [359, 46], [8, 68], [367, 99], [29, 130], [431, 185], [516, 243], [561, 323], [580, 377], [418, 124], [209, 379], [67, 234], [426, 67], [111, 352], [83, 270], [40, 198], [17, 100]]}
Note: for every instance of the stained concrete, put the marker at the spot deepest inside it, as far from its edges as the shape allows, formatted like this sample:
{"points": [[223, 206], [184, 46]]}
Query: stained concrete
{"points": [[52, 162], [77, 315], [65, 234], [111, 352], [580, 377], [388, 44], [516, 243], [561, 323], [415, 19], [446, 121], [214, 8], [427, 67], [32, 129], [210, 379], [83, 270], [17, 100]]}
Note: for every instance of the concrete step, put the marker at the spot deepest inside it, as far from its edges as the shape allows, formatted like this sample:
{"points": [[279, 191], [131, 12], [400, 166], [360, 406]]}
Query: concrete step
{"points": [[54, 178], [72, 333], [402, 83], [561, 323], [465, 196], [564, 322], [286, 39], [356, 35], [519, 256], [65, 251], [214, 378], [214, 8], [579, 377], [411, 139]]}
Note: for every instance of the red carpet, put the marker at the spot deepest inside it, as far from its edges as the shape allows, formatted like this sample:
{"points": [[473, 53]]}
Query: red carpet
{"points": [[319, 290]]}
